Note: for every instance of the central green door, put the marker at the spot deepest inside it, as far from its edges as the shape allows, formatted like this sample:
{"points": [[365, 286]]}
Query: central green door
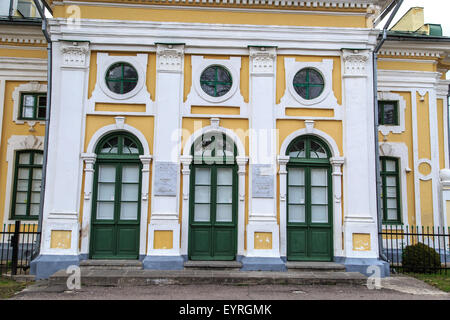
{"points": [[213, 201], [309, 206], [116, 206]]}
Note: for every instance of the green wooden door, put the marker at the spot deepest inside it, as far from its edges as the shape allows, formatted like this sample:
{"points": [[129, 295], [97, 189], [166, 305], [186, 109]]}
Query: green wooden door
{"points": [[116, 202], [309, 205], [212, 221]]}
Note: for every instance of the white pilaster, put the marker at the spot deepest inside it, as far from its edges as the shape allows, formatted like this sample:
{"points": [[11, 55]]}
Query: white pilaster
{"points": [[262, 206], [166, 173], [62, 194], [360, 214]]}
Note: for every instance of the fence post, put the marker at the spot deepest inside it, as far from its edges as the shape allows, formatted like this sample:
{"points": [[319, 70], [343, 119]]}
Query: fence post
{"points": [[15, 248]]}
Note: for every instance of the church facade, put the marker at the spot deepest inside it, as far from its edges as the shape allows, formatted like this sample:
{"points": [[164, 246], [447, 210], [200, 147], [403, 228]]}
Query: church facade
{"points": [[223, 131]]}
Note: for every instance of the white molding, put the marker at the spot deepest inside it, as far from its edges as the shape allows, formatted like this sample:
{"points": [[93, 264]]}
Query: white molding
{"points": [[74, 55], [399, 150], [197, 97], [30, 87], [16, 143], [102, 94], [355, 63], [170, 58], [23, 69], [397, 129]]}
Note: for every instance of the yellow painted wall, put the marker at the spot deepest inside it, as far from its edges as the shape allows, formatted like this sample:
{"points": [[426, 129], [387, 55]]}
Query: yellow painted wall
{"points": [[407, 138], [440, 118], [406, 65], [263, 240], [215, 16], [24, 52], [60, 239], [361, 241], [163, 239], [10, 128]]}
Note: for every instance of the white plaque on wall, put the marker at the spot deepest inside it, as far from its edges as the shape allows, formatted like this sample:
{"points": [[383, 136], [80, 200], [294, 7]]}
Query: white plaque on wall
{"points": [[262, 181], [165, 178]]}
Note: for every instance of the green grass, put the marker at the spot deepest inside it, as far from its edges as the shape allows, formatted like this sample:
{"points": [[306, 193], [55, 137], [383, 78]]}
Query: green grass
{"points": [[441, 281], [9, 287]]}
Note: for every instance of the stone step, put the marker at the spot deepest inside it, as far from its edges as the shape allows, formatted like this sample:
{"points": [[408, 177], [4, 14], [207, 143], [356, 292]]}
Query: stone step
{"points": [[302, 266], [184, 277], [212, 265], [111, 264]]}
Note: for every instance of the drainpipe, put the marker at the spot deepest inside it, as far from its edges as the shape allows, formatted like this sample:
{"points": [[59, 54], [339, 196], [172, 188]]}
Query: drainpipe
{"points": [[41, 10], [380, 43]]}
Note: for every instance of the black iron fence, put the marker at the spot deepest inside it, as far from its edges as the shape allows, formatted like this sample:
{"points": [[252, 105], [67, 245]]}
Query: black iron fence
{"points": [[19, 244], [398, 242]]}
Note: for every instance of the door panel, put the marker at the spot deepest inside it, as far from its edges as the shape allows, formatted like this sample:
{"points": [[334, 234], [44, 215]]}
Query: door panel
{"points": [[309, 226], [212, 225], [116, 206]]}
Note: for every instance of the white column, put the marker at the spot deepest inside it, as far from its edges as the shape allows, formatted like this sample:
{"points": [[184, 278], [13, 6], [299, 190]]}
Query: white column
{"points": [[166, 172], [186, 171], [145, 160], [241, 162], [337, 163], [89, 162], [282, 162], [263, 205], [64, 173], [360, 213]]}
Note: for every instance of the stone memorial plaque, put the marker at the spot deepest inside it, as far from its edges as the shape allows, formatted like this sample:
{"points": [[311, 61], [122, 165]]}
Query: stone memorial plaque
{"points": [[262, 181], [165, 178]]}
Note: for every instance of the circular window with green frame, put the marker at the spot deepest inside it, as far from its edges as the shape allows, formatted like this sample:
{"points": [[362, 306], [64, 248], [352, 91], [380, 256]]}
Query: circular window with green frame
{"points": [[216, 81], [308, 83], [121, 78]]}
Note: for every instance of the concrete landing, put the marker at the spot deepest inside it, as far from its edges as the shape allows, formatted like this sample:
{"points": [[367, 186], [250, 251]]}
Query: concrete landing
{"points": [[119, 278], [111, 264]]}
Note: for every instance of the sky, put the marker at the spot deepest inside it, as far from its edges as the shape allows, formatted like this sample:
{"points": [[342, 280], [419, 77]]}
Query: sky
{"points": [[436, 11]]}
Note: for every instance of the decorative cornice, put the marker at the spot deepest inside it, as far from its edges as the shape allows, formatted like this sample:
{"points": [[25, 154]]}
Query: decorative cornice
{"points": [[169, 57], [74, 55], [262, 60], [410, 53], [355, 62]]}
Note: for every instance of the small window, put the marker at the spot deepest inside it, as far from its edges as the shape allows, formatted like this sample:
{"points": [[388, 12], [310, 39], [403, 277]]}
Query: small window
{"points": [[27, 185], [121, 78], [33, 106], [119, 145], [216, 81], [388, 113], [390, 190], [308, 83]]}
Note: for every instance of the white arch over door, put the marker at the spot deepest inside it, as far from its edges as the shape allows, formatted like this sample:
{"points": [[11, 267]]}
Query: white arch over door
{"points": [[89, 159], [336, 161], [241, 161]]}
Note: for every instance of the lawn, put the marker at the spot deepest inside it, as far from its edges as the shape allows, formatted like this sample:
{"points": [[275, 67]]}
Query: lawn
{"points": [[8, 287], [441, 281]]}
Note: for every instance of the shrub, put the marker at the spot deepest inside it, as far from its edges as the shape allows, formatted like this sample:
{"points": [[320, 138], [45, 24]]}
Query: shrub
{"points": [[420, 258]]}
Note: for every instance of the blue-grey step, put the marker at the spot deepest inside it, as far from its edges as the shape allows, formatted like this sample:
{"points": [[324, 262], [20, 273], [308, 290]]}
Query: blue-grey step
{"points": [[111, 264], [212, 265], [302, 266]]}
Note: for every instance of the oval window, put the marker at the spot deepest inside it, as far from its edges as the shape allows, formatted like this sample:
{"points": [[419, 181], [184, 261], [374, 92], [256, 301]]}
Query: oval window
{"points": [[216, 81], [121, 78], [308, 83]]}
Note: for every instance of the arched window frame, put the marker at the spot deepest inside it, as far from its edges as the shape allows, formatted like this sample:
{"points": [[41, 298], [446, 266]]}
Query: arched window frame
{"points": [[307, 159], [121, 135], [213, 159]]}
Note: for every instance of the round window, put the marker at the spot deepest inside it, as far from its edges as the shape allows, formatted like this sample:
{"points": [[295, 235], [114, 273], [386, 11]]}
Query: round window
{"points": [[216, 81], [308, 83], [121, 78]]}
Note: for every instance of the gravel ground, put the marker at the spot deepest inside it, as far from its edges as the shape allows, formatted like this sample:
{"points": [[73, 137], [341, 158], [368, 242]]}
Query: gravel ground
{"points": [[394, 288]]}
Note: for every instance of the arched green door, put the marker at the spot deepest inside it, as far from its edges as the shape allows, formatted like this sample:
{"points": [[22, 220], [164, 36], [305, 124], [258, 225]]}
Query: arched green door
{"points": [[309, 201], [116, 198], [213, 199]]}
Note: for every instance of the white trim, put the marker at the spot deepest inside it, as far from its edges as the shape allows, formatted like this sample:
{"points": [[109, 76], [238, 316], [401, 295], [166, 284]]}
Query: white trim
{"points": [[89, 159], [16, 143], [399, 150], [241, 161], [30, 87], [400, 128]]}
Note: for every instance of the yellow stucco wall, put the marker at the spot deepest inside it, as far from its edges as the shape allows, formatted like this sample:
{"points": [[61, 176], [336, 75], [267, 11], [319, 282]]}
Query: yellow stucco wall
{"points": [[10, 128], [190, 15]]}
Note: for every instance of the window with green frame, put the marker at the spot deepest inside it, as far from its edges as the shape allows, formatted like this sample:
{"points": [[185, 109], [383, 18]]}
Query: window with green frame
{"points": [[216, 81], [121, 78], [33, 106], [308, 83], [390, 190], [27, 185], [388, 113]]}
